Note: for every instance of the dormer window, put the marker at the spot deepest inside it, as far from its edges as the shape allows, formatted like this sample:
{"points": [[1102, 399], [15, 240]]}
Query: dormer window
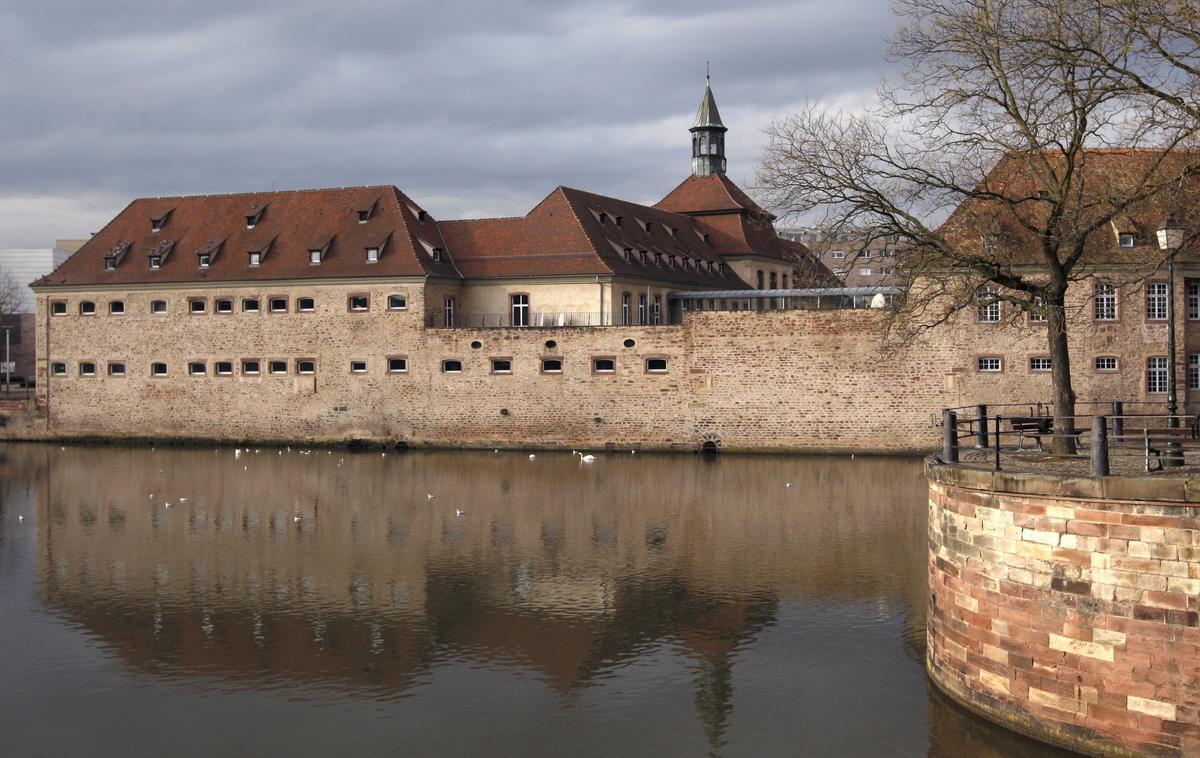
{"points": [[255, 259], [674, 232], [207, 254], [157, 222], [364, 212], [257, 253], [204, 259], [629, 255], [658, 259], [156, 261], [113, 257], [158, 254], [318, 251], [617, 220], [603, 217], [254, 215], [372, 255], [314, 257], [421, 215], [1125, 239], [670, 261], [643, 257], [437, 255], [649, 227]]}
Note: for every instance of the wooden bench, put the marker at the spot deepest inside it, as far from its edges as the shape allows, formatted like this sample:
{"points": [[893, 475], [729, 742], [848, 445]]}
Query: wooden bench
{"points": [[1158, 439], [1031, 426]]}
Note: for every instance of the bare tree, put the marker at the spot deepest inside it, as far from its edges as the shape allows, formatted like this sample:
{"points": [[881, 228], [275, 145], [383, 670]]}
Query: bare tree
{"points": [[1003, 126], [12, 293]]}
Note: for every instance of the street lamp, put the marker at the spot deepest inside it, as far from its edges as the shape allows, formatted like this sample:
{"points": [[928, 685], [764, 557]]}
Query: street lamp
{"points": [[1170, 239]]}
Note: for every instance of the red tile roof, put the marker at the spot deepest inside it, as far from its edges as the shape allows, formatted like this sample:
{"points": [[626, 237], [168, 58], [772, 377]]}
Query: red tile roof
{"points": [[291, 223], [716, 193]]}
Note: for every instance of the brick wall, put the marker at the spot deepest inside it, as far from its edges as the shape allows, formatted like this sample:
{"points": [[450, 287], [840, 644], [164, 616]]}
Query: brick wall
{"points": [[1073, 619]]}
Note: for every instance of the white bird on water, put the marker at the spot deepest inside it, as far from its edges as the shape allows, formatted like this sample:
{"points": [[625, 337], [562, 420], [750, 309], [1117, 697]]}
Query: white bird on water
{"points": [[532, 456], [583, 458], [21, 516], [789, 484], [296, 518], [430, 496], [459, 512]]}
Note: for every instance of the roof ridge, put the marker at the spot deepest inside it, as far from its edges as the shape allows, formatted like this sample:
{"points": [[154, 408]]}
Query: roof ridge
{"points": [[482, 218], [268, 192]]}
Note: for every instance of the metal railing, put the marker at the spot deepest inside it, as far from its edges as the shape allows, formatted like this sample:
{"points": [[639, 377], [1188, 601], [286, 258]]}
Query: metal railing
{"points": [[1147, 441], [539, 320]]}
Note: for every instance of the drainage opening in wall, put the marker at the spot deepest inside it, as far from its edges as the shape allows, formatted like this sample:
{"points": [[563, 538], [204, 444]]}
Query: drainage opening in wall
{"points": [[709, 448], [401, 445]]}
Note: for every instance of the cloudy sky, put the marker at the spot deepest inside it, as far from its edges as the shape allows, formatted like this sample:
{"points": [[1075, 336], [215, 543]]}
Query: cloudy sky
{"points": [[473, 108]]}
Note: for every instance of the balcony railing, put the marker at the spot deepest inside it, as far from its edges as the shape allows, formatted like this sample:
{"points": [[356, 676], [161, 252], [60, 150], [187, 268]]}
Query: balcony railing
{"points": [[548, 320]]}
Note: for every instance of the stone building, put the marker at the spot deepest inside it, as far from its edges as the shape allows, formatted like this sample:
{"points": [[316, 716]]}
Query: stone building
{"points": [[857, 261]]}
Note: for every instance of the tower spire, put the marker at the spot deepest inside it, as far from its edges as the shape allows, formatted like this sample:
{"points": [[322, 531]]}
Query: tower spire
{"points": [[708, 134]]}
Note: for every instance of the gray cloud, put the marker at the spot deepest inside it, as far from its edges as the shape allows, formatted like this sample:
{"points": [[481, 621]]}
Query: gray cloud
{"points": [[473, 108]]}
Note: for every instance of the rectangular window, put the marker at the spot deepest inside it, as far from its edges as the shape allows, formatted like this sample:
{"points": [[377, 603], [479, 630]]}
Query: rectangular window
{"points": [[306, 366], [1193, 299], [774, 280], [372, 255], [1036, 316], [1194, 371], [278, 305], [641, 308], [989, 305], [1125, 239], [277, 367], [451, 366], [989, 363], [58, 308], [626, 309], [358, 367], [250, 305], [864, 271], [656, 314], [760, 279], [58, 369], [305, 305], [520, 309], [223, 368], [204, 259], [604, 365], [397, 302], [1156, 374], [1039, 363], [314, 257], [865, 254], [158, 306], [838, 255], [359, 302], [1106, 302], [448, 313], [87, 308], [1156, 301], [552, 365], [502, 365], [87, 368], [251, 367], [656, 365], [116, 368], [116, 307], [155, 261], [1106, 363], [255, 260], [224, 306], [196, 305], [197, 368], [158, 369], [397, 364]]}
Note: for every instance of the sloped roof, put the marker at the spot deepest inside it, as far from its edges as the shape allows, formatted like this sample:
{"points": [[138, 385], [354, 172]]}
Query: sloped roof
{"points": [[707, 116], [715, 193], [1106, 178], [291, 223]]}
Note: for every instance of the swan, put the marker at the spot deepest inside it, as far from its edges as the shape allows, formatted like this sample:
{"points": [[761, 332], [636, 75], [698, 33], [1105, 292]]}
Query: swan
{"points": [[584, 458], [430, 496], [532, 456], [459, 512]]}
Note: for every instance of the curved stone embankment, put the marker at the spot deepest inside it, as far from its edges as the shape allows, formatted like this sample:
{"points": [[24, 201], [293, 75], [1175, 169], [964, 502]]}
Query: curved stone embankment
{"points": [[1068, 608]]}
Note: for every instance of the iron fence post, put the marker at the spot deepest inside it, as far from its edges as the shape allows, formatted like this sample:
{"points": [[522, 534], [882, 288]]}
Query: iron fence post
{"points": [[950, 436], [1118, 422], [981, 433], [1099, 451], [997, 442]]}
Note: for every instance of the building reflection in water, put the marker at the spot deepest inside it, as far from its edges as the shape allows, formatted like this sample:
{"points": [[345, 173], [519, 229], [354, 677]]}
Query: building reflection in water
{"points": [[337, 572]]}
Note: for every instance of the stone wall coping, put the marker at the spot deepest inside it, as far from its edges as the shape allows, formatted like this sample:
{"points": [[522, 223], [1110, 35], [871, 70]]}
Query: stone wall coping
{"points": [[1174, 490]]}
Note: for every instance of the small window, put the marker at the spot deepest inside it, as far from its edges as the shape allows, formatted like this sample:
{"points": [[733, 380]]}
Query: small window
{"points": [[989, 363], [1105, 301], [158, 369], [204, 259], [989, 305], [305, 304], [865, 254], [358, 367], [250, 305], [250, 367], [223, 368], [306, 366], [110, 264], [87, 368], [451, 367], [643, 257], [196, 305], [1106, 363], [116, 307], [58, 308], [864, 271], [372, 255], [1156, 374], [838, 255], [278, 305], [397, 302], [1156, 301], [277, 367], [314, 256], [1193, 371], [87, 308], [224, 306], [552, 365], [604, 365], [197, 368], [437, 255], [363, 216], [255, 259], [397, 365], [116, 368], [1125, 239], [502, 365], [359, 302], [58, 369], [158, 306], [1039, 364], [656, 365], [156, 261]]}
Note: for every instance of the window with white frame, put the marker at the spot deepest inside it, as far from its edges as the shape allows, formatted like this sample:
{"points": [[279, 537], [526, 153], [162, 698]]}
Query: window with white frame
{"points": [[1156, 374], [158, 369], [656, 365], [58, 308], [359, 302], [451, 366], [1125, 239], [306, 366], [251, 367], [864, 271], [502, 365], [1039, 363], [397, 364], [223, 305], [837, 255], [116, 368], [1193, 299], [448, 315], [305, 305], [1156, 301], [989, 305], [397, 302], [197, 368], [1106, 301], [277, 367], [520, 309], [58, 368], [1106, 363], [116, 307], [989, 363], [358, 367], [158, 306], [1194, 371], [250, 305], [1036, 314], [223, 368], [87, 368], [278, 304]]}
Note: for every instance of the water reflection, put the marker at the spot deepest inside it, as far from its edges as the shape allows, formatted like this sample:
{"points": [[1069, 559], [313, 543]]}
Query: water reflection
{"points": [[618, 588]]}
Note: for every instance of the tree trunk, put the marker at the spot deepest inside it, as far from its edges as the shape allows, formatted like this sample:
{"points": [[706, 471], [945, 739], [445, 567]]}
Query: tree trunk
{"points": [[1060, 370]]}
